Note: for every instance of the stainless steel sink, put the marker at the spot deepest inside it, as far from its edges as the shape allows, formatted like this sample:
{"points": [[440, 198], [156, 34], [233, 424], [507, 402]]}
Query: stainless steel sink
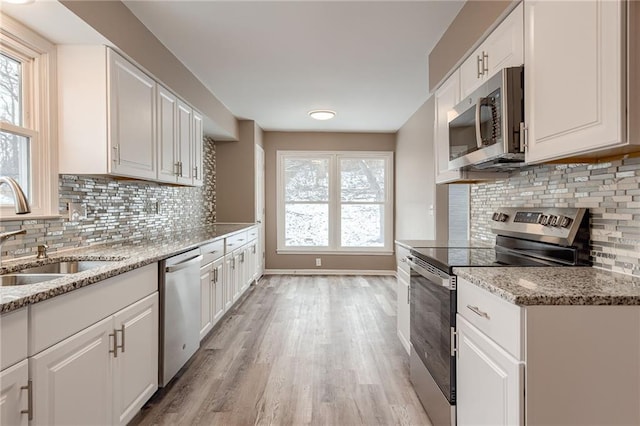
{"points": [[65, 267], [24, 279]]}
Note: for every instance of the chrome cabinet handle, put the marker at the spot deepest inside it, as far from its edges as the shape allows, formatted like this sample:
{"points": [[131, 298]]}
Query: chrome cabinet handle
{"points": [[29, 389], [195, 172], [478, 67], [122, 332], [485, 63], [116, 154], [215, 276], [477, 311], [114, 347], [176, 168]]}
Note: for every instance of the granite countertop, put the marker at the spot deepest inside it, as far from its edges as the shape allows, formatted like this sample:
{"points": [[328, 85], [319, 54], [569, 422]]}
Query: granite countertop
{"points": [[527, 286], [124, 256]]}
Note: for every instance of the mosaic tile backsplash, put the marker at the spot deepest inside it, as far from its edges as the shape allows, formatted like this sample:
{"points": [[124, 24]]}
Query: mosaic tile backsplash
{"points": [[611, 192], [118, 210]]}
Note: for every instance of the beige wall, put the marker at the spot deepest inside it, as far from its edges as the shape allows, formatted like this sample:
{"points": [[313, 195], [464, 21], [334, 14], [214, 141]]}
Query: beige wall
{"points": [[120, 26], [474, 21], [274, 141], [235, 175], [420, 203]]}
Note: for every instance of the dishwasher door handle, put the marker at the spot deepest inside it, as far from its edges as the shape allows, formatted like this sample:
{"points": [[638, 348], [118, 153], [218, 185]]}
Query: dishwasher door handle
{"points": [[184, 264]]}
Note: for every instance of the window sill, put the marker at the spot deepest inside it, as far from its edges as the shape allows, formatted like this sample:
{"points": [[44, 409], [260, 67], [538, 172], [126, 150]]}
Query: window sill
{"points": [[337, 252]]}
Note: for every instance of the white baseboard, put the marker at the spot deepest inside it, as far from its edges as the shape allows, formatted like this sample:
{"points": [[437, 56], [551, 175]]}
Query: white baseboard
{"points": [[327, 272], [405, 343]]}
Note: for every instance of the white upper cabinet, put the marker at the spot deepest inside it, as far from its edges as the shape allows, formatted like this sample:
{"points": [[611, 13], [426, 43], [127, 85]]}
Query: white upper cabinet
{"points": [[197, 148], [117, 120], [167, 128], [503, 48], [107, 114], [576, 78], [132, 101]]}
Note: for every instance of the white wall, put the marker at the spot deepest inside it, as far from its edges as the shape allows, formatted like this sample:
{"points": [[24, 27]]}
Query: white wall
{"points": [[418, 200]]}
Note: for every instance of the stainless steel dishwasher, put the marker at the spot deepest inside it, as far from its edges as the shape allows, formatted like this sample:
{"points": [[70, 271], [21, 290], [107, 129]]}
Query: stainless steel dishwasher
{"points": [[179, 313]]}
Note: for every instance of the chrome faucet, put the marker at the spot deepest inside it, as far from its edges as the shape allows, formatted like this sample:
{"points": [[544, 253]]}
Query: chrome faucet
{"points": [[20, 200]]}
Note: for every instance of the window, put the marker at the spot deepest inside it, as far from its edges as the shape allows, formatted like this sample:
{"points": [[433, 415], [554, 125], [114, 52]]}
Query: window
{"points": [[27, 123], [335, 202]]}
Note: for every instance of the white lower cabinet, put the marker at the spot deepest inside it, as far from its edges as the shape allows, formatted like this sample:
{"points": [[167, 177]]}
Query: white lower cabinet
{"points": [[14, 397], [229, 280], [490, 384], [136, 367], [211, 295], [101, 375], [72, 381], [403, 297]]}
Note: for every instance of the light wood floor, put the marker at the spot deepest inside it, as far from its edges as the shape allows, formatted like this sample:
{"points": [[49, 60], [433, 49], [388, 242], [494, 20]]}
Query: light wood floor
{"points": [[298, 350]]}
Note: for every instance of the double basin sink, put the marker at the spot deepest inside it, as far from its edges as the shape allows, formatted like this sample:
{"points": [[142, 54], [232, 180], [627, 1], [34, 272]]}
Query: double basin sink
{"points": [[49, 271]]}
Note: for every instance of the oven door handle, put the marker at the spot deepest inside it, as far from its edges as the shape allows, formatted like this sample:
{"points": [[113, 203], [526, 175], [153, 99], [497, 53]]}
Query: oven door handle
{"points": [[443, 282]]}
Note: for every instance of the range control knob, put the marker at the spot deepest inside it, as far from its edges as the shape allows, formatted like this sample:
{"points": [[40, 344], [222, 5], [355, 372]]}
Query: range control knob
{"points": [[495, 216], [553, 220], [566, 222], [543, 219], [502, 217]]}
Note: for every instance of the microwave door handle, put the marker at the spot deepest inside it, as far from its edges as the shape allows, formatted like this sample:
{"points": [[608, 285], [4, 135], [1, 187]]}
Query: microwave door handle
{"points": [[478, 123]]}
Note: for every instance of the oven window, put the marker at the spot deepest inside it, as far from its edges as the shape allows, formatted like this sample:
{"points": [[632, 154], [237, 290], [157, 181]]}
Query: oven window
{"points": [[432, 314]]}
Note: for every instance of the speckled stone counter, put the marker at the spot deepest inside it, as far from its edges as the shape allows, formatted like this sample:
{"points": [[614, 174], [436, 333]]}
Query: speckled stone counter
{"points": [[555, 286], [124, 256]]}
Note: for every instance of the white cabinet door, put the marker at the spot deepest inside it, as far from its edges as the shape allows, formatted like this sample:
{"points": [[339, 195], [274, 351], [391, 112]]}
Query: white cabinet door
{"points": [[167, 132], [132, 100], [229, 280], [184, 143], [575, 101], [503, 48], [403, 309], [218, 304], [206, 300], [197, 142], [136, 364], [72, 381], [13, 397], [489, 383]]}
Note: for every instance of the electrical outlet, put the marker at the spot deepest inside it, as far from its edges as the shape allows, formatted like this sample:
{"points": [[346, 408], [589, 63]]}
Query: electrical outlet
{"points": [[77, 212], [318, 261]]}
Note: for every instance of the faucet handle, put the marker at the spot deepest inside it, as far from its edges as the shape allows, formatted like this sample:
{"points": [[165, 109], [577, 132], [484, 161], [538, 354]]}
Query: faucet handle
{"points": [[42, 251]]}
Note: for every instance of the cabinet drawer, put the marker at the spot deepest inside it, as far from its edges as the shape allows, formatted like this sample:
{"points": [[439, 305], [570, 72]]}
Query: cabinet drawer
{"points": [[252, 234], [13, 337], [235, 241], [212, 251], [500, 320], [90, 304], [401, 254]]}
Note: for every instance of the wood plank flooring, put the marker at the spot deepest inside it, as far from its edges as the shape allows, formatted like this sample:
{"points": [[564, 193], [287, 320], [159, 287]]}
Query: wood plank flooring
{"points": [[298, 350]]}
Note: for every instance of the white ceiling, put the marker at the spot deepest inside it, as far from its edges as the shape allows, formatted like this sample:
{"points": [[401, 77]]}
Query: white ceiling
{"points": [[272, 62]]}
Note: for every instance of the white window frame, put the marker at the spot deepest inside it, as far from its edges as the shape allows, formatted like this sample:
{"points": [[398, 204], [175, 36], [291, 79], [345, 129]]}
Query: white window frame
{"points": [[335, 203], [40, 117]]}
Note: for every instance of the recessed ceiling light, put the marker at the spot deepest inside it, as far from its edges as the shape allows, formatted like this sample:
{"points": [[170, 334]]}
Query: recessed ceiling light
{"points": [[322, 114], [18, 1]]}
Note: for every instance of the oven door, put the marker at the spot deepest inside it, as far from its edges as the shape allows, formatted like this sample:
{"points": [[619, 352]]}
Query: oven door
{"points": [[432, 316]]}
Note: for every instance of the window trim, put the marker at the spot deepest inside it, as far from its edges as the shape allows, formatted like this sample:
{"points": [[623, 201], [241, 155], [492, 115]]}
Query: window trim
{"points": [[40, 116], [335, 203]]}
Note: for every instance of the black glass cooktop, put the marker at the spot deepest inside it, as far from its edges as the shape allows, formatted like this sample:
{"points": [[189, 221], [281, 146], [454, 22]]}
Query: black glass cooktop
{"points": [[448, 258]]}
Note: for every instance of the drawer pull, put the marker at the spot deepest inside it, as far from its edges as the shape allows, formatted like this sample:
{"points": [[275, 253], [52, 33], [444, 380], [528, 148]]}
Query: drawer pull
{"points": [[477, 311]]}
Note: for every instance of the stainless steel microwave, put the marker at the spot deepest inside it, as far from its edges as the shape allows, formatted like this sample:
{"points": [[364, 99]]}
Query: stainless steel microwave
{"points": [[484, 129]]}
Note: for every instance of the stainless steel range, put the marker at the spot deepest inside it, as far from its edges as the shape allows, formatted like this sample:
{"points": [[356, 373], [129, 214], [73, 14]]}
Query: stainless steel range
{"points": [[525, 237]]}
